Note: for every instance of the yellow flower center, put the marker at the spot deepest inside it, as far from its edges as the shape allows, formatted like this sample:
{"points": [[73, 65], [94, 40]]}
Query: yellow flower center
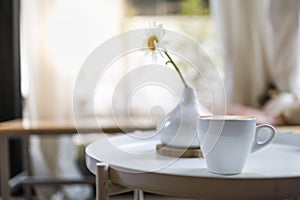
{"points": [[150, 42]]}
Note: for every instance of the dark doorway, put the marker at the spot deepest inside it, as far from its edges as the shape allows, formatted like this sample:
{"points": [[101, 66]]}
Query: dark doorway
{"points": [[10, 94]]}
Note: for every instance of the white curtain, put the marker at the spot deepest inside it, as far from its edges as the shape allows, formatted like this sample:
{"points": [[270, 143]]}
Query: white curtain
{"points": [[260, 41], [56, 37]]}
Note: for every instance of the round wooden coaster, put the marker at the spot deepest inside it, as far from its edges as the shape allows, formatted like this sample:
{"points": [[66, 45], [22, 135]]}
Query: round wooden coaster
{"points": [[165, 150]]}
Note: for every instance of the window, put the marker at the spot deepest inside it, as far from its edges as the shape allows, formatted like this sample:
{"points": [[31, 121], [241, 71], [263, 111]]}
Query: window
{"points": [[57, 37]]}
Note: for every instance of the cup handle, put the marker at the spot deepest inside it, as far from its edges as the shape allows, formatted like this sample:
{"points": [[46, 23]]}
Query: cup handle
{"points": [[259, 145]]}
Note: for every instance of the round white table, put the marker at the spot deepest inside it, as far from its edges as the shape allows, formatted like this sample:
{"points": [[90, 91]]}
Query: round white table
{"points": [[131, 161]]}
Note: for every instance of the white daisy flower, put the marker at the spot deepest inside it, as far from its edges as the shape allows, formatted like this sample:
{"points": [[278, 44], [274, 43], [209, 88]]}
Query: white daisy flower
{"points": [[153, 44]]}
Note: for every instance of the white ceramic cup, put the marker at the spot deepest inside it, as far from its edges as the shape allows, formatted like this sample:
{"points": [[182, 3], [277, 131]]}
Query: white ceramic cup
{"points": [[226, 141]]}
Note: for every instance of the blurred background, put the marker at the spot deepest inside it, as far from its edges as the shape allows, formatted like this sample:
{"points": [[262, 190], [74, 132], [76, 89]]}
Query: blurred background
{"points": [[251, 55]]}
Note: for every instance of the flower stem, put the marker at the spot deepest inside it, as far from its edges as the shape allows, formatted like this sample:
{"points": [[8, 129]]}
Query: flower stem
{"points": [[176, 68]]}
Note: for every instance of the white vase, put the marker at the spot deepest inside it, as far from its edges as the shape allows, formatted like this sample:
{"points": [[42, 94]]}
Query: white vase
{"points": [[178, 127]]}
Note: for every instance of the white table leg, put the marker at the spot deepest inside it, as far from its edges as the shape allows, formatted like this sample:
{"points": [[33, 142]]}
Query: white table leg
{"points": [[102, 183], [138, 195], [4, 168]]}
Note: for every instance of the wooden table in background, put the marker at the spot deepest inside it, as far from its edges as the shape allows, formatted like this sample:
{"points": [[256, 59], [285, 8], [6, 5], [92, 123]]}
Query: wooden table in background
{"points": [[23, 129]]}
